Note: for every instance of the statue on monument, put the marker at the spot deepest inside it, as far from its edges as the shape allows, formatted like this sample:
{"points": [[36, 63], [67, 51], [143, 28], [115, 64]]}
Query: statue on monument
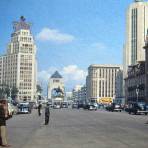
{"points": [[58, 92]]}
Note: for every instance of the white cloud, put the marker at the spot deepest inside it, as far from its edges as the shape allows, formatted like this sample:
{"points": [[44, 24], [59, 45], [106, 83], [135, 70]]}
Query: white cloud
{"points": [[72, 75], [72, 72], [54, 35], [44, 75]]}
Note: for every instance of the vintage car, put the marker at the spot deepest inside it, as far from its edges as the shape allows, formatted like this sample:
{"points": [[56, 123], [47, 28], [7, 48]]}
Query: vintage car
{"points": [[114, 107], [90, 106], [24, 108], [138, 108]]}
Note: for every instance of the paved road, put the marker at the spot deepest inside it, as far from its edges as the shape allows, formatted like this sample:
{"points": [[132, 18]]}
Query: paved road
{"points": [[79, 129]]}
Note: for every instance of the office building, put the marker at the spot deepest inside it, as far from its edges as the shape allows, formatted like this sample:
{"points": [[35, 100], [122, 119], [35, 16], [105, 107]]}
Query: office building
{"points": [[136, 28], [135, 84], [100, 81], [18, 67]]}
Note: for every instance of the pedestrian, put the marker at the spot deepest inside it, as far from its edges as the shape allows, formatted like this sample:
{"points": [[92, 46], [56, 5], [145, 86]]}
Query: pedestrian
{"points": [[47, 114], [3, 117], [39, 109]]}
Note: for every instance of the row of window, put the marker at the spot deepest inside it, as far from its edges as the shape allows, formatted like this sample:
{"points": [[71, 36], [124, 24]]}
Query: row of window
{"points": [[26, 39], [26, 57], [24, 33], [134, 36], [103, 73]]}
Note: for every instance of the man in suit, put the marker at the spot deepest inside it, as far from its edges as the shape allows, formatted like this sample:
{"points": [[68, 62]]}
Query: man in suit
{"points": [[39, 109], [47, 114], [3, 118]]}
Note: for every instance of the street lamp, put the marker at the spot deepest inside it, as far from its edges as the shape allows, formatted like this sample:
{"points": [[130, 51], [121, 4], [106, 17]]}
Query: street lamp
{"points": [[137, 92], [10, 91]]}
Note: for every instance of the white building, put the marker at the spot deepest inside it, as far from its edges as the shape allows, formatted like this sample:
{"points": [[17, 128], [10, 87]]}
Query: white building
{"points": [[68, 96], [76, 92], [56, 81], [18, 67], [100, 81], [136, 28]]}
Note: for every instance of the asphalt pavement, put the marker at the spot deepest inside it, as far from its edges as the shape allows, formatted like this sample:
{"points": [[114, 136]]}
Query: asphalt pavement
{"points": [[73, 128]]}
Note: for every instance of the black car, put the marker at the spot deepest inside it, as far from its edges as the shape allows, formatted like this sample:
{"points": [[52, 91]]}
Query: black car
{"points": [[138, 108], [90, 106], [80, 105], [114, 107]]}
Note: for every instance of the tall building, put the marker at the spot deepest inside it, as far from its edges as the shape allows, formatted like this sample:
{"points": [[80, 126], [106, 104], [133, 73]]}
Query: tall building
{"points": [[18, 67], [100, 81], [119, 84], [136, 28]]}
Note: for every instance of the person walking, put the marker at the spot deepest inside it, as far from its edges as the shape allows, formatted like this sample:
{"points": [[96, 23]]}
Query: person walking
{"points": [[47, 114], [3, 118], [39, 109]]}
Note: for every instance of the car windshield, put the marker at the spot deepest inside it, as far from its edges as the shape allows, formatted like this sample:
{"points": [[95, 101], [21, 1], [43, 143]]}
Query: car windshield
{"points": [[141, 104], [23, 105]]}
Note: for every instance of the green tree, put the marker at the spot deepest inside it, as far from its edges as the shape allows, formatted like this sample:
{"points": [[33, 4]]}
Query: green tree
{"points": [[39, 89], [7, 91], [2, 90], [14, 92]]}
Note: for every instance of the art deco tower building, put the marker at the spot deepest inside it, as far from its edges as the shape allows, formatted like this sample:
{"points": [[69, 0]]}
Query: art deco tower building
{"points": [[136, 28], [18, 66]]}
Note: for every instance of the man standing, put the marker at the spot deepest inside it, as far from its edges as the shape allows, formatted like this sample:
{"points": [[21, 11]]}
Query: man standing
{"points": [[3, 117], [47, 114], [39, 109]]}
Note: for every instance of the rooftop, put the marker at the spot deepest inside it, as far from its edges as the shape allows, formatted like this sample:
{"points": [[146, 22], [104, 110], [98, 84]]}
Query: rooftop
{"points": [[56, 75]]}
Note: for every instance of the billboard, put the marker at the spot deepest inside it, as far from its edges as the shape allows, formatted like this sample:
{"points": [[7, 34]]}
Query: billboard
{"points": [[105, 100]]}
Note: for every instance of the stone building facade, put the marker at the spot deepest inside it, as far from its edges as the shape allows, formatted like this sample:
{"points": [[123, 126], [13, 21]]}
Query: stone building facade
{"points": [[135, 84]]}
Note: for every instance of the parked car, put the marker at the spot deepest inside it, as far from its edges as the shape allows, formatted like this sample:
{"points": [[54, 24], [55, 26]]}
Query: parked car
{"points": [[80, 105], [90, 106], [114, 107], [50, 104], [138, 108], [24, 107], [64, 105], [75, 105], [57, 105]]}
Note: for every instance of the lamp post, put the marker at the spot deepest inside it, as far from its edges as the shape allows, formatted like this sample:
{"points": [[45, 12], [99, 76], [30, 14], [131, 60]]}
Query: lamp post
{"points": [[10, 91], [137, 92]]}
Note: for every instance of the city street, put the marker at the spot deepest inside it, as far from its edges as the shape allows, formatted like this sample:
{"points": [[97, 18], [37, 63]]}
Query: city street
{"points": [[79, 129]]}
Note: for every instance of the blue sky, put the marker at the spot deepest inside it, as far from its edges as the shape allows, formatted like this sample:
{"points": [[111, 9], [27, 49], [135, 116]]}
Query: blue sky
{"points": [[69, 34]]}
